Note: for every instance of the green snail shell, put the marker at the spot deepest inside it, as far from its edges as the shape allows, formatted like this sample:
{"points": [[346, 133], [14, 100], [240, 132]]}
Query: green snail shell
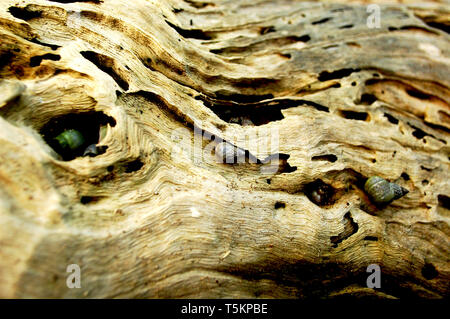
{"points": [[383, 192], [70, 140]]}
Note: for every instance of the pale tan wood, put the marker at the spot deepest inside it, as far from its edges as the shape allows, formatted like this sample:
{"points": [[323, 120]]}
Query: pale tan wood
{"points": [[346, 101]]}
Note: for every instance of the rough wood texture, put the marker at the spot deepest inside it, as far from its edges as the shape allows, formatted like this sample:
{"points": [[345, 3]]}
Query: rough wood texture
{"points": [[156, 216]]}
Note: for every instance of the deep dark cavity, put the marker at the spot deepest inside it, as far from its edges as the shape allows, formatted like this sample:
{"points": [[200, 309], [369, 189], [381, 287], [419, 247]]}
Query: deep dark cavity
{"points": [[192, 33], [350, 228], [440, 26], [338, 74], [279, 205], [390, 118], [444, 201], [370, 238], [320, 193], [419, 134], [353, 115], [347, 26], [25, 14], [429, 271], [133, 166], [405, 176], [88, 124], [367, 99], [51, 46], [418, 94], [6, 58], [327, 157], [254, 113], [36, 60], [107, 65], [285, 167], [90, 199], [437, 25], [321, 21]]}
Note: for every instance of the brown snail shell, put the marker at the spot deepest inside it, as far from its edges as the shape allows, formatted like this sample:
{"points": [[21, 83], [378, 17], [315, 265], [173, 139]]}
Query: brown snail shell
{"points": [[383, 192]]}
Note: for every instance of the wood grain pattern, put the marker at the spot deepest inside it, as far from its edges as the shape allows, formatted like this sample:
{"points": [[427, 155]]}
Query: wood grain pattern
{"points": [[156, 216]]}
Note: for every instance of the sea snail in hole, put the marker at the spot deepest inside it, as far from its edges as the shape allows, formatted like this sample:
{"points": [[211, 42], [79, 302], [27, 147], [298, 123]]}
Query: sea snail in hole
{"points": [[70, 140], [92, 150], [228, 153], [383, 192]]}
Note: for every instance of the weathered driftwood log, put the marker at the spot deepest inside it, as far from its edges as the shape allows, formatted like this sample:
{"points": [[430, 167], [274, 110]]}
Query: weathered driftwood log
{"points": [[316, 97]]}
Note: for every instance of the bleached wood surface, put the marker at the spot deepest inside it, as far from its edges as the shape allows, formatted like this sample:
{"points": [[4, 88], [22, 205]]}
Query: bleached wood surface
{"points": [[156, 216]]}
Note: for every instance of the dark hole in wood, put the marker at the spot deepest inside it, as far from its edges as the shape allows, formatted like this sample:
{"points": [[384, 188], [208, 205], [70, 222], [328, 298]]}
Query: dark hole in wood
{"points": [[254, 113], [419, 134], [303, 38], [390, 118], [405, 176], [192, 33], [444, 201], [429, 271], [350, 228], [327, 157], [425, 182], [51, 46], [371, 238], [25, 14], [6, 58], [279, 205], [321, 21], [89, 199], [338, 74], [133, 166], [36, 60], [265, 30], [88, 124], [417, 94], [440, 26], [107, 65], [367, 99], [287, 168], [347, 26], [352, 115]]}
